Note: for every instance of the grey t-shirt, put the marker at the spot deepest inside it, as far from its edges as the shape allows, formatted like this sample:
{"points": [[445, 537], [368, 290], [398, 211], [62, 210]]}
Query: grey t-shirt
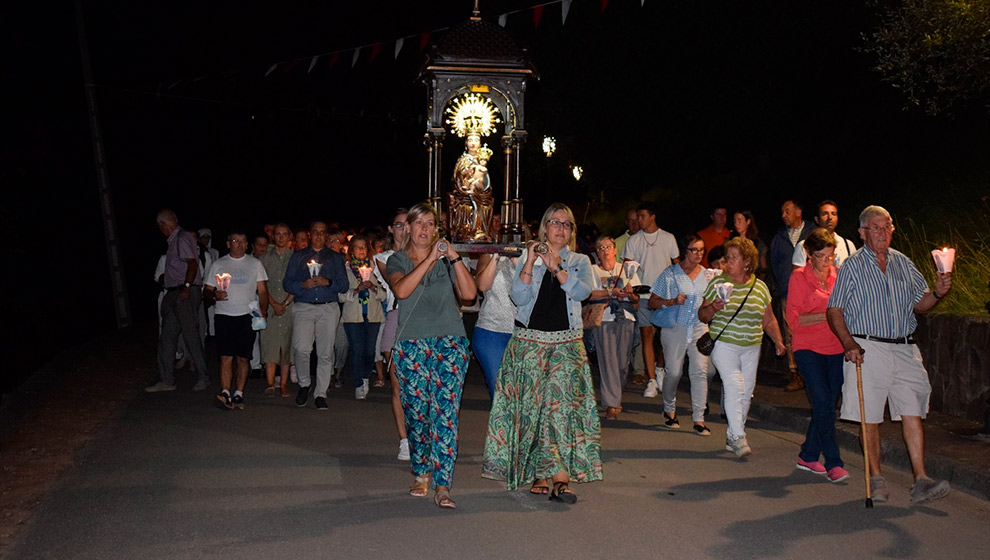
{"points": [[432, 309]]}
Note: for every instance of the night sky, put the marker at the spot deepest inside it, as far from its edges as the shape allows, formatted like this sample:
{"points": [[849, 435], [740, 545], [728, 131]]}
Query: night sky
{"points": [[692, 103]]}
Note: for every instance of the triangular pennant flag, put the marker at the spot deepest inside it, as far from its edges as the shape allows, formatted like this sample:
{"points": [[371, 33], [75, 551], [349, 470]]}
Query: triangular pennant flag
{"points": [[292, 64], [375, 49], [423, 40], [642, 3], [312, 64], [272, 69], [502, 18], [604, 5], [180, 81], [334, 58], [398, 47], [537, 14], [565, 7], [357, 54]]}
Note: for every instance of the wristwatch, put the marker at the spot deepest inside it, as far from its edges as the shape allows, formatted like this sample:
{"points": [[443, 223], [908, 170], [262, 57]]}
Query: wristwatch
{"points": [[187, 284]]}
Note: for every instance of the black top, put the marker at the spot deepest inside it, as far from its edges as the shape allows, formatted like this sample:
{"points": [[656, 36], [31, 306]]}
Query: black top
{"points": [[550, 310]]}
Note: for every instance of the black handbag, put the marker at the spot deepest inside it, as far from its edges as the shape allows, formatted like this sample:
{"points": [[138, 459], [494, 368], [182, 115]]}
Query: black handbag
{"points": [[706, 343]]}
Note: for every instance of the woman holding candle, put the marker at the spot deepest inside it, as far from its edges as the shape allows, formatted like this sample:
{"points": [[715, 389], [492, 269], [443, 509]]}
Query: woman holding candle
{"points": [[362, 313], [543, 424], [739, 325], [818, 353], [432, 351]]}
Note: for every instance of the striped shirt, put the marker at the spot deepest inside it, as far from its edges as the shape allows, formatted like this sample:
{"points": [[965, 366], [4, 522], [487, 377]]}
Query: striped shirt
{"points": [[747, 328], [874, 303]]}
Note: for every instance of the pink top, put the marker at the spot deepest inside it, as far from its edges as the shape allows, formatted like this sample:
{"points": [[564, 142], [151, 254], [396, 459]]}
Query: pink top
{"points": [[805, 295]]}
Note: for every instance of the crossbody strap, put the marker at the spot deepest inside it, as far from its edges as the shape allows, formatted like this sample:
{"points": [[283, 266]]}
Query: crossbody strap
{"points": [[738, 309]]}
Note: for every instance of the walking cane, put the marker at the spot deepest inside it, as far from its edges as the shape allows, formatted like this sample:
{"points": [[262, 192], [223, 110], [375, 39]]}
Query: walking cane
{"points": [[862, 429]]}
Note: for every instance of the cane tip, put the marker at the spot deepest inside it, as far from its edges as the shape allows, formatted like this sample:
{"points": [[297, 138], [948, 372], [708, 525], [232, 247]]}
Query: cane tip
{"points": [[869, 503]]}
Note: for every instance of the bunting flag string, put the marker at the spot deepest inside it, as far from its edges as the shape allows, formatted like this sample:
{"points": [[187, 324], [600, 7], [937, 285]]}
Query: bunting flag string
{"points": [[374, 49]]}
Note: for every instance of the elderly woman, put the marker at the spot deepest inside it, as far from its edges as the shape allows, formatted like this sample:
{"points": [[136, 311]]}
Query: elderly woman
{"points": [[431, 352], [543, 424], [362, 314], [614, 337], [677, 295], [738, 323], [818, 353]]}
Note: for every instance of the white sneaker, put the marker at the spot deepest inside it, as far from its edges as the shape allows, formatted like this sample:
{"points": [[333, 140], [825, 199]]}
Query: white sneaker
{"points": [[361, 392], [403, 450], [659, 372], [292, 374], [652, 389]]}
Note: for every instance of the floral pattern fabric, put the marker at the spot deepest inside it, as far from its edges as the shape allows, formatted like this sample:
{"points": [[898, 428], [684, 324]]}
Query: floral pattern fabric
{"points": [[431, 379], [544, 419]]}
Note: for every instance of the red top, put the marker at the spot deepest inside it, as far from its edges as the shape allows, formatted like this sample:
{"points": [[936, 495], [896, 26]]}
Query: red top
{"points": [[712, 239], [806, 295]]}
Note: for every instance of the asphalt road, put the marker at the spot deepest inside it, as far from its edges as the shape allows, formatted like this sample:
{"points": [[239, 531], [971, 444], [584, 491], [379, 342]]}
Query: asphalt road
{"points": [[174, 477]]}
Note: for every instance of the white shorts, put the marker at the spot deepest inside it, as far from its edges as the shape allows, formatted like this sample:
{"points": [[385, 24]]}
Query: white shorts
{"points": [[893, 374]]}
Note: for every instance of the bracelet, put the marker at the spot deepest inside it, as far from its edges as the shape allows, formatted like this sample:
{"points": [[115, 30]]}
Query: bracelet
{"points": [[457, 260], [937, 297], [523, 272]]}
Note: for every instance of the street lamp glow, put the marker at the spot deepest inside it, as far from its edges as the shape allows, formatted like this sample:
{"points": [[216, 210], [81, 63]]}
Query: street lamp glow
{"points": [[549, 145], [577, 171]]}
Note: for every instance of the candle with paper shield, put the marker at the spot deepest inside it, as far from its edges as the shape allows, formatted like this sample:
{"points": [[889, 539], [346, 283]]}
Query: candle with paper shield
{"points": [[944, 259], [223, 281], [314, 268], [724, 291], [257, 321], [365, 272], [631, 267]]}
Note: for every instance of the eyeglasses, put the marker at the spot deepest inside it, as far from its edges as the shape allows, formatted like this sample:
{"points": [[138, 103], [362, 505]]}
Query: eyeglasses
{"points": [[605, 247], [560, 224], [823, 257], [696, 249], [399, 225]]}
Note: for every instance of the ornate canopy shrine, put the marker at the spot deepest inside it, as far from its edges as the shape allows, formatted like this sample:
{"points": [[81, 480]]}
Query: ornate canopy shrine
{"points": [[478, 63]]}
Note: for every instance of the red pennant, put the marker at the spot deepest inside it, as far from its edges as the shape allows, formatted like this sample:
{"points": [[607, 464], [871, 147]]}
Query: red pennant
{"points": [[334, 58], [288, 67], [375, 49], [537, 14], [423, 40], [604, 5]]}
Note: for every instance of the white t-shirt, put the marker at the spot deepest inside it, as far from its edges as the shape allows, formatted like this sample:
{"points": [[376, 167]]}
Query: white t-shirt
{"points": [[245, 273], [390, 297], [653, 251], [615, 278], [843, 248]]}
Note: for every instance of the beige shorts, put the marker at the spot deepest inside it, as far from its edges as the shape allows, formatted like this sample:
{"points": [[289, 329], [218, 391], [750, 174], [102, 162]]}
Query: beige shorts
{"points": [[893, 374]]}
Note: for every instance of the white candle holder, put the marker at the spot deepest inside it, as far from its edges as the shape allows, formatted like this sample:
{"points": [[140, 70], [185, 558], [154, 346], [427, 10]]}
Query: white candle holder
{"points": [[223, 281], [314, 268], [724, 291], [944, 259], [365, 272]]}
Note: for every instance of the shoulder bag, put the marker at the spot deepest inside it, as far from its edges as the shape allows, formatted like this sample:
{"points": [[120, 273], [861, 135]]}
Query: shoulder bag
{"points": [[706, 343]]}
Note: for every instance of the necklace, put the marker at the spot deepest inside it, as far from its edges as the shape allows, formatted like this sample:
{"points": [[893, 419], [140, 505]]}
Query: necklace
{"points": [[655, 238]]}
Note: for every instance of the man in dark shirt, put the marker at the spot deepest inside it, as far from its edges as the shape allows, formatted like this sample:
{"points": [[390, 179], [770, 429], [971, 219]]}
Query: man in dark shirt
{"points": [[315, 278], [794, 230]]}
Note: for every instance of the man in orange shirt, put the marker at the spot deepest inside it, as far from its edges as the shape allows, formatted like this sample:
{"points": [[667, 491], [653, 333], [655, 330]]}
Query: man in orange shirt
{"points": [[715, 234]]}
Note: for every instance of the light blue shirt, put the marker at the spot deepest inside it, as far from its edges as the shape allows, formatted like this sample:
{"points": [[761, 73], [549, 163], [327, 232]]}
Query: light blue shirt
{"points": [[876, 303], [672, 282], [580, 280]]}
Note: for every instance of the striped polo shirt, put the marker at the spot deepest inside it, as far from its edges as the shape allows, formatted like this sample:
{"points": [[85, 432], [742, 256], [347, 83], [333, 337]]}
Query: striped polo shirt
{"points": [[876, 303], [747, 328]]}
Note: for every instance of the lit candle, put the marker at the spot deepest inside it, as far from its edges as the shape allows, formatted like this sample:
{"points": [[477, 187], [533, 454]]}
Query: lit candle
{"points": [[314, 268], [223, 281], [724, 291], [631, 268], [944, 259], [365, 273]]}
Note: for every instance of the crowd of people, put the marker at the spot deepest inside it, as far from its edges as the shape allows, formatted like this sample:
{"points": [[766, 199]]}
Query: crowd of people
{"points": [[645, 304]]}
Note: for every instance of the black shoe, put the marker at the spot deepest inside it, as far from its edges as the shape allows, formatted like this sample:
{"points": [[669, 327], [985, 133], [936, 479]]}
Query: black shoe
{"points": [[223, 401], [238, 402], [302, 396], [320, 403]]}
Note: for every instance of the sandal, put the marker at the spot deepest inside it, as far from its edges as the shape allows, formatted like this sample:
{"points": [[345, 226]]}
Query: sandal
{"points": [[270, 391], [561, 493], [612, 412], [671, 422], [421, 487], [702, 430], [442, 499], [540, 487], [379, 383]]}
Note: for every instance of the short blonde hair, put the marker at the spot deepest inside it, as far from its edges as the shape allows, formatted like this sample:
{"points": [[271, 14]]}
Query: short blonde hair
{"points": [[416, 212], [572, 243], [747, 250]]}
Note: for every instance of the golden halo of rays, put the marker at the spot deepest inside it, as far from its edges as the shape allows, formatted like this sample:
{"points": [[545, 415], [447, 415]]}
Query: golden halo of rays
{"points": [[472, 112]]}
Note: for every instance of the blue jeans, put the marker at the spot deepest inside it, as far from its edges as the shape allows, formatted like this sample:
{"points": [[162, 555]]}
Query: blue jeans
{"points": [[361, 337], [488, 348], [822, 374]]}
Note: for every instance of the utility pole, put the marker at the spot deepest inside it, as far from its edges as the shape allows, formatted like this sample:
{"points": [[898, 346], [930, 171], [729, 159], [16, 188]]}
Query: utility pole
{"points": [[120, 300]]}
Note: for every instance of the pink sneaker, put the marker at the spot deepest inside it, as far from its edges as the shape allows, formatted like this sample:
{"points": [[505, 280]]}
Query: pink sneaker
{"points": [[814, 467], [837, 474]]}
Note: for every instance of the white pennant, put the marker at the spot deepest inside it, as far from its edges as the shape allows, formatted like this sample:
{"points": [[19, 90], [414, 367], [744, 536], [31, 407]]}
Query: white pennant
{"points": [[642, 3], [272, 69], [357, 54], [398, 47], [312, 64], [502, 18], [565, 7]]}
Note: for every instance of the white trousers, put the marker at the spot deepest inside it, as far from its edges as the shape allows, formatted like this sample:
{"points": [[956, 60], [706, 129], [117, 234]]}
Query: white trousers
{"points": [[314, 323], [678, 344], [737, 366]]}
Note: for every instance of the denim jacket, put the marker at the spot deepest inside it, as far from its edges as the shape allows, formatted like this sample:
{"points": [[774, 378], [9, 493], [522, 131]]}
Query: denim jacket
{"points": [[580, 280]]}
